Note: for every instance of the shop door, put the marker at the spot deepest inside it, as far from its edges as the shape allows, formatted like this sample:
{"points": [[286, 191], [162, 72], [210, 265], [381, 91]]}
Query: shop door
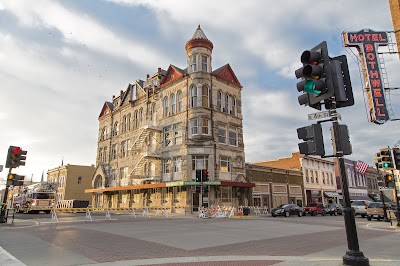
{"points": [[196, 202]]}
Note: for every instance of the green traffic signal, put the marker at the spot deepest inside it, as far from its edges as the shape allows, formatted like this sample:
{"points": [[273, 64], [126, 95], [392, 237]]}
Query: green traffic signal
{"points": [[310, 87], [386, 165]]}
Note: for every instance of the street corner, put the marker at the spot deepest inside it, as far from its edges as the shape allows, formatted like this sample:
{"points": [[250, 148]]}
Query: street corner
{"points": [[8, 259], [18, 223], [385, 226]]}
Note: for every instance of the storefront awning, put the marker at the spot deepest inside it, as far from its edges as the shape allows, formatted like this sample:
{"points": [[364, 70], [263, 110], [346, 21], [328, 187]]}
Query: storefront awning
{"points": [[360, 198], [172, 184], [330, 194], [236, 184], [156, 185]]}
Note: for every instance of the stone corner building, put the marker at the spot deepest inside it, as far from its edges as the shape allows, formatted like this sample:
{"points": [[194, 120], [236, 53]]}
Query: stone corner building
{"points": [[154, 135]]}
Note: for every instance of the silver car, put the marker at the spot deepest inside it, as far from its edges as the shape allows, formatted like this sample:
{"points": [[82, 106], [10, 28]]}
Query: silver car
{"points": [[360, 207]]}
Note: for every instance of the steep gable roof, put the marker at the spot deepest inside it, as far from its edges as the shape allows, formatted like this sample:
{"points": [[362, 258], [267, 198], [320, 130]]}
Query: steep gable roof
{"points": [[107, 108], [226, 73], [173, 73]]}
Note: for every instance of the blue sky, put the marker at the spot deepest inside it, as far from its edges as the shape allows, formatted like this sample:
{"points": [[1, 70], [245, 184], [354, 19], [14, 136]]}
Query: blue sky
{"points": [[61, 60]]}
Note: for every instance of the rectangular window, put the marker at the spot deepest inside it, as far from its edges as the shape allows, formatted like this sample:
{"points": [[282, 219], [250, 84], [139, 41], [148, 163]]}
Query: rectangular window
{"points": [[123, 171], [79, 180], [177, 166], [225, 164], [114, 151], [204, 126], [193, 63], [194, 124], [232, 137], [204, 96], [204, 63], [167, 166], [222, 135], [167, 136], [124, 148], [178, 134], [199, 162]]}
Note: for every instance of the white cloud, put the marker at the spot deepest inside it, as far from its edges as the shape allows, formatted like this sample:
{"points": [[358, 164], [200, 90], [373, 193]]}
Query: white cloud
{"points": [[80, 29]]}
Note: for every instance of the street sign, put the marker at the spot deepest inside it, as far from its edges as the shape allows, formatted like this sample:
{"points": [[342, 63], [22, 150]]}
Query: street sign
{"points": [[323, 114]]}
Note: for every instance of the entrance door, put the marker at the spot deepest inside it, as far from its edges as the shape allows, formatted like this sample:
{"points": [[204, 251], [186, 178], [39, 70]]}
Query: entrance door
{"points": [[196, 202]]}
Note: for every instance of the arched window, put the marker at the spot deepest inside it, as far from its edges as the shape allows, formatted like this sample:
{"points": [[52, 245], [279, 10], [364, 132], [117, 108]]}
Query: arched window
{"points": [[129, 121], [173, 104], [115, 129], [136, 119], [226, 103], [166, 106], [193, 63], [193, 96], [205, 96], [179, 97], [233, 105], [140, 117], [219, 101], [104, 133], [153, 112], [124, 124]]}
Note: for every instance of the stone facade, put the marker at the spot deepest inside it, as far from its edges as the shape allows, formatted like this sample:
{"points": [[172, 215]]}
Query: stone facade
{"points": [[155, 134], [395, 11], [72, 181]]}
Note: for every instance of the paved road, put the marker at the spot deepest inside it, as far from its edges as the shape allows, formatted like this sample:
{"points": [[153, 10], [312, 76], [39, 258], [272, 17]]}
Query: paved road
{"points": [[188, 240]]}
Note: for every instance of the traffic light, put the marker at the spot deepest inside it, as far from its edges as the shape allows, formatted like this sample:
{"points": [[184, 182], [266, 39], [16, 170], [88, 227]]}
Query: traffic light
{"points": [[198, 176], [205, 189], [396, 158], [314, 144], [205, 176], [389, 181], [317, 83], [198, 188], [15, 157], [18, 180], [378, 160], [15, 180], [386, 158], [345, 139], [341, 82]]}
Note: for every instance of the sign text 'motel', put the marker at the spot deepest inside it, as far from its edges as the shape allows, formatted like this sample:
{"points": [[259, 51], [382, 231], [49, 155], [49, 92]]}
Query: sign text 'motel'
{"points": [[367, 42]]}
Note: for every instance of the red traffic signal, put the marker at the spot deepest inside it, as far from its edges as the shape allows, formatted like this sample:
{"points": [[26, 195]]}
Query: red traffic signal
{"points": [[15, 157], [205, 176]]}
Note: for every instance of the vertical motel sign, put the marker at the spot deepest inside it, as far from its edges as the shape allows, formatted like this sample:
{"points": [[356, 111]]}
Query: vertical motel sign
{"points": [[367, 42]]}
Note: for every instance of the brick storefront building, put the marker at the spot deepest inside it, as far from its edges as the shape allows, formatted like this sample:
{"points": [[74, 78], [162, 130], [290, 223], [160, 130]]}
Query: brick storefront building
{"points": [[275, 186], [319, 183]]}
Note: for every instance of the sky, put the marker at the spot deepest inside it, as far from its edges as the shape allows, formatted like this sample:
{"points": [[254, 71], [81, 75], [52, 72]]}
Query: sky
{"points": [[61, 60]]}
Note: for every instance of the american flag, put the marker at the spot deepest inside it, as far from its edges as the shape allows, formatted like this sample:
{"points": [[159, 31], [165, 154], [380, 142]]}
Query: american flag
{"points": [[361, 167]]}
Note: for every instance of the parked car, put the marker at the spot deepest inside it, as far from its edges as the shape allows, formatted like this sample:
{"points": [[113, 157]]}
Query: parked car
{"points": [[360, 207], [314, 208], [334, 209], [287, 210], [375, 210]]}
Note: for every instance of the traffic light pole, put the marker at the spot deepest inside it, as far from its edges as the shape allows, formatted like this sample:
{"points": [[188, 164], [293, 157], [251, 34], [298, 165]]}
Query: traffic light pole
{"points": [[3, 217], [385, 218], [353, 255], [397, 201]]}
